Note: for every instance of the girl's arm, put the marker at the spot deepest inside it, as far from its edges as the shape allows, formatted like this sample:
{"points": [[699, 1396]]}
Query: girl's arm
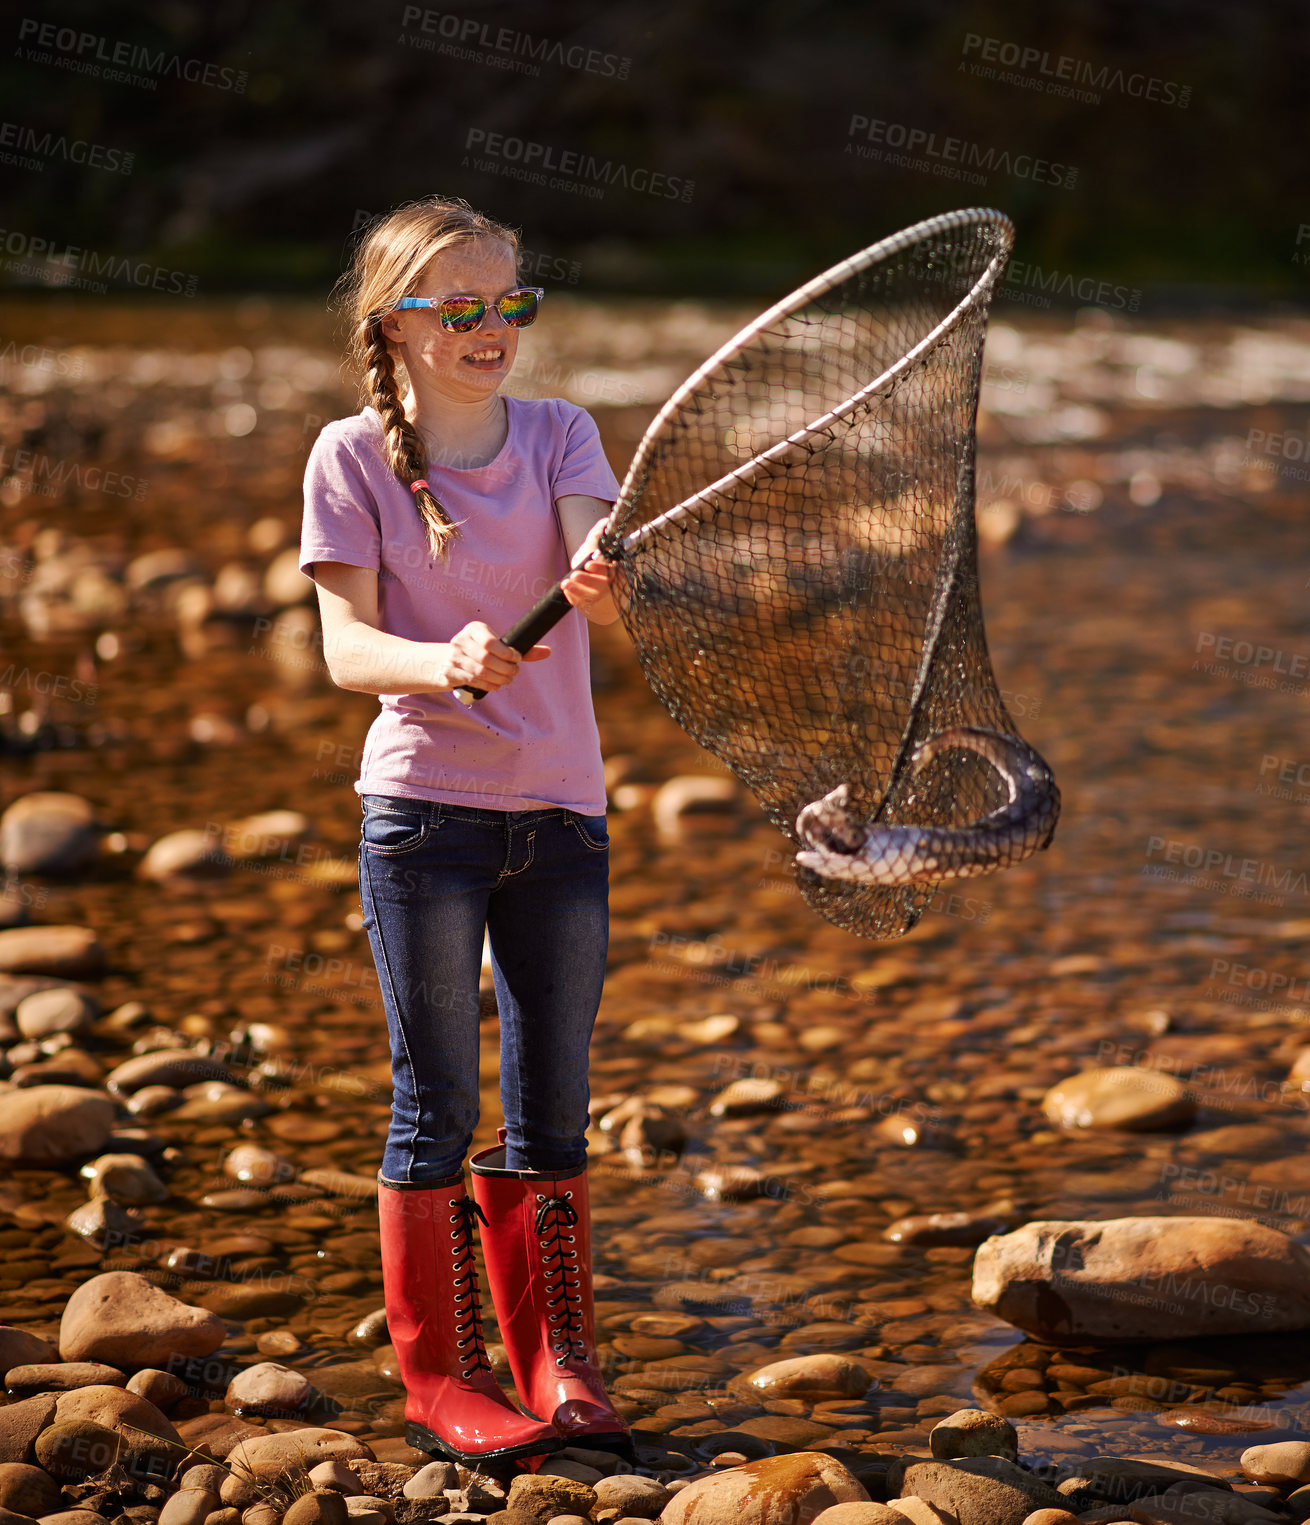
{"points": [[367, 660], [587, 588]]}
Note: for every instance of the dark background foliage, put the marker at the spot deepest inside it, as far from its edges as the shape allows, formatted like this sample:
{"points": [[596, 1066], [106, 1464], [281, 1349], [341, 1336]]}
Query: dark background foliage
{"points": [[331, 111]]}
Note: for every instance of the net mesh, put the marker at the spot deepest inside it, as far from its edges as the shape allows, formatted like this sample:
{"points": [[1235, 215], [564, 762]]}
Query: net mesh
{"points": [[812, 614]]}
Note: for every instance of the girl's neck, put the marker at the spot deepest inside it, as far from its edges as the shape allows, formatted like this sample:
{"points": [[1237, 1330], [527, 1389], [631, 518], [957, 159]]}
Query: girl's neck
{"points": [[459, 433]]}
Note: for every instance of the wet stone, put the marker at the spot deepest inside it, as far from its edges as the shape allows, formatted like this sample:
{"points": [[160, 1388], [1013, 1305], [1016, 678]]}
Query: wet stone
{"points": [[62, 1377]]}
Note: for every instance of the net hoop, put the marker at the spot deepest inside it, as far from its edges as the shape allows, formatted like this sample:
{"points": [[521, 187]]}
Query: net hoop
{"points": [[748, 471]]}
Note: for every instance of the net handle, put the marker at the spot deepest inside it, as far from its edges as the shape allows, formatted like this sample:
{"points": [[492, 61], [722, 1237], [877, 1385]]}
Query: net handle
{"points": [[548, 611]]}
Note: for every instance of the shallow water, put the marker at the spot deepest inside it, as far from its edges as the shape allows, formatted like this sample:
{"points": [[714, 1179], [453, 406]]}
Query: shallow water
{"points": [[1134, 520]]}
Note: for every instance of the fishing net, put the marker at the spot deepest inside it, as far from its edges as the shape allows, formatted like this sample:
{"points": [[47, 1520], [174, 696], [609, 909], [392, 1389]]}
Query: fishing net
{"points": [[796, 564]]}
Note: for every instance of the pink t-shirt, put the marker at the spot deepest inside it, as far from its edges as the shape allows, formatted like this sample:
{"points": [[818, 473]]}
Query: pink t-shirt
{"points": [[533, 742]]}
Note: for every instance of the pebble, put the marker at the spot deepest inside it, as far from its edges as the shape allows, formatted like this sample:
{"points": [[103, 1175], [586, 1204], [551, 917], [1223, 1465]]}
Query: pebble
{"points": [[541, 1498], [68, 951], [929, 1229], [126, 1178], [124, 1320], [634, 1496], [61, 1377], [48, 832], [62, 1009], [367, 1510], [49, 1125], [748, 1095], [21, 1423], [189, 1506], [264, 1456], [1282, 1463], [19, 1348], [973, 1432], [337, 1475], [813, 1376], [166, 1067], [103, 1222], [1248, 1278], [859, 1513], [762, 1492], [1123, 1097], [268, 1388], [692, 794], [186, 854], [371, 1329], [27, 1490], [323, 1507], [431, 1481], [249, 1162], [153, 1101], [979, 1490], [75, 1449]]}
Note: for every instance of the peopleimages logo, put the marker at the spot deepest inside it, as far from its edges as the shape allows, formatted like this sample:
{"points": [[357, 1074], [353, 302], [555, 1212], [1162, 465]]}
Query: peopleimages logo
{"points": [[583, 174], [908, 147], [89, 53], [1073, 78]]}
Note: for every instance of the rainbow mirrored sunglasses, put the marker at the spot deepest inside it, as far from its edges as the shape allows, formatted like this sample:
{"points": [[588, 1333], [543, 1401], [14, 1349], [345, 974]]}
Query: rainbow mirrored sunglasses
{"points": [[460, 315]]}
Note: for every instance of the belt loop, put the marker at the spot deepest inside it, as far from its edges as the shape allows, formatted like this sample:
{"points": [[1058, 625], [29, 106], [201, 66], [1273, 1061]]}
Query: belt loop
{"points": [[436, 813]]}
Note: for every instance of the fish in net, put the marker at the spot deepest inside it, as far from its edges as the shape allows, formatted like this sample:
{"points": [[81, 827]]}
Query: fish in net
{"points": [[796, 563]]}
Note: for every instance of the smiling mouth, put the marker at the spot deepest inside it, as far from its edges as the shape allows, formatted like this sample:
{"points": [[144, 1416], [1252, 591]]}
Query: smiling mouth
{"points": [[486, 358]]}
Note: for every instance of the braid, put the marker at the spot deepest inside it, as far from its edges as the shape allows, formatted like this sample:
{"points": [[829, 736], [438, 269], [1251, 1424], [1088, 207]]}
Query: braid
{"points": [[405, 452]]}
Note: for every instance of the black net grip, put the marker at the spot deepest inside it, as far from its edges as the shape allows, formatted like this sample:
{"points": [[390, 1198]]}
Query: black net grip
{"points": [[524, 635]]}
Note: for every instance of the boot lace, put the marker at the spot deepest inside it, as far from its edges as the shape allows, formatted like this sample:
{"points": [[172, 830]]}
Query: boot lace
{"points": [[563, 1275], [468, 1304]]}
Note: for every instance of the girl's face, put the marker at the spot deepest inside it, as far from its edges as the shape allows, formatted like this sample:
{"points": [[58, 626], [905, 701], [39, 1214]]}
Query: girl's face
{"points": [[461, 367]]}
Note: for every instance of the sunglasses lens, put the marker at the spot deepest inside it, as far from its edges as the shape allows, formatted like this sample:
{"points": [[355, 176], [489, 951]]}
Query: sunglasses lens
{"points": [[518, 308], [459, 314]]}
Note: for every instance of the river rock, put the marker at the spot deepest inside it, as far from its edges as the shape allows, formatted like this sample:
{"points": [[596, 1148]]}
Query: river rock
{"points": [[542, 1498], [27, 1490], [186, 854], [267, 835], [189, 1506], [162, 1388], [18, 1348], [335, 1474], [78, 1449], [973, 1432], [61, 1009], [920, 1512], [432, 1480], [259, 1166], [103, 1223], [1144, 1279], [264, 1457], [324, 1507], [932, 1229], [636, 1497], [125, 1178], [690, 794], [1123, 1097], [774, 1490], [979, 1490], [1283, 1463], [124, 1320], [21, 1423], [268, 1388], [48, 832], [750, 1094], [48, 1125], [175, 1068], [61, 1377], [815, 1376], [72, 952], [857, 1513]]}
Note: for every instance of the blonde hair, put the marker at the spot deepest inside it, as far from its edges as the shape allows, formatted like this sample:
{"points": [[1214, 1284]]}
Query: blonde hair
{"points": [[385, 266]]}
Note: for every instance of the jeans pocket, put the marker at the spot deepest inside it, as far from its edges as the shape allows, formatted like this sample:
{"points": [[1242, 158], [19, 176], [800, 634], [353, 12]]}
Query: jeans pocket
{"points": [[593, 829], [392, 829]]}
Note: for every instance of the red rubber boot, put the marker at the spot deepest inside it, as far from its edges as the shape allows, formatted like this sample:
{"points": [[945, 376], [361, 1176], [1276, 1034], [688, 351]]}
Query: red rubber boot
{"points": [[454, 1407], [537, 1244]]}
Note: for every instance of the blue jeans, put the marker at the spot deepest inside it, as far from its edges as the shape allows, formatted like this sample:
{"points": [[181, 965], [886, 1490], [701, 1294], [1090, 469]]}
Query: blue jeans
{"points": [[432, 877]]}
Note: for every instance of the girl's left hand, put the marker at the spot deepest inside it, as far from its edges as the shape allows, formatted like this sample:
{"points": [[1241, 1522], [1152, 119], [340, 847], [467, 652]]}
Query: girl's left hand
{"points": [[587, 587]]}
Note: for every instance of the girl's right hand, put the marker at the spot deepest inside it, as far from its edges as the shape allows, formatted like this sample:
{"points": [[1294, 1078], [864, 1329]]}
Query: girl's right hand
{"points": [[480, 659]]}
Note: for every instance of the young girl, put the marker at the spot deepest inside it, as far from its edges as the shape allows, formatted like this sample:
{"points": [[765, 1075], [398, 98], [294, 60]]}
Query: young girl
{"points": [[433, 519]]}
